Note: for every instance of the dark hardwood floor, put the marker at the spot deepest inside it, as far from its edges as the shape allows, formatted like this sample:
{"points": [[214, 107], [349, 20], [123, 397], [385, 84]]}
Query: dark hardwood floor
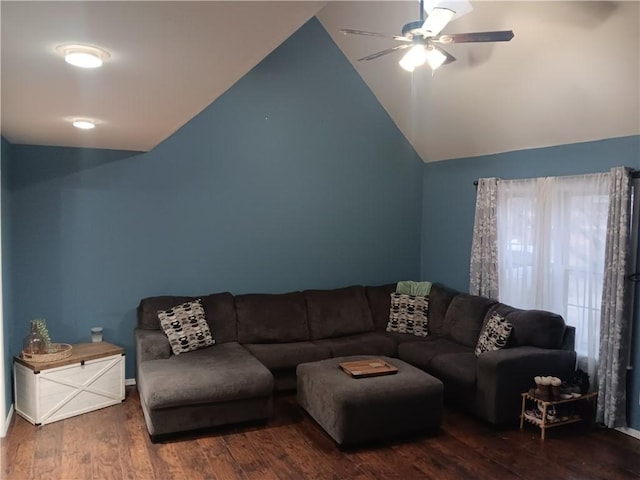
{"points": [[112, 443]]}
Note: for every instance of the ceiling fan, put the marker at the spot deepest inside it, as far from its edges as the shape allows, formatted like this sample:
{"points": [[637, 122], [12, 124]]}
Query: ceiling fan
{"points": [[423, 37]]}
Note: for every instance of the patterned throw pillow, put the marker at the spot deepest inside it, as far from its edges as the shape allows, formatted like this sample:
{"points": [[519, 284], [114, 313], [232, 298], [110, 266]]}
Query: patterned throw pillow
{"points": [[495, 334], [408, 314], [185, 327]]}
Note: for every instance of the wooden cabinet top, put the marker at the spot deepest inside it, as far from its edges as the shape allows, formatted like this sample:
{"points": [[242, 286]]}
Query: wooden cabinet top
{"points": [[79, 353]]}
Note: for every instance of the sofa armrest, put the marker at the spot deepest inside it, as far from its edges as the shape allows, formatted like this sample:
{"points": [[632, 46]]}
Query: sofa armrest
{"points": [[504, 374], [569, 339], [151, 345]]}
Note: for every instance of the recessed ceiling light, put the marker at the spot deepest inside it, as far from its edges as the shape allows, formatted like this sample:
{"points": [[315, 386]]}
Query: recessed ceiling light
{"points": [[84, 124], [83, 56]]}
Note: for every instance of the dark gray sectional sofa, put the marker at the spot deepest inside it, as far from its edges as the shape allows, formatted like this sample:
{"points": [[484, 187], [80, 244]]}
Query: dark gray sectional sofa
{"points": [[261, 338]]}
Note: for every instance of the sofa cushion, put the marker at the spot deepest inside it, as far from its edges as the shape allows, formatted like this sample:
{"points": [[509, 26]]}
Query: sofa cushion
{"points": [[465, 317], [399, 338], [220, 313], [500, 308], [185, 327], [536, 328], [371, 343], [281, 356], [149, 307], [421, 354], [494, 335], [458, 371], [271, 318], [338, 312], [221, 373], [380, 303], [408, 314], [440, 298]]}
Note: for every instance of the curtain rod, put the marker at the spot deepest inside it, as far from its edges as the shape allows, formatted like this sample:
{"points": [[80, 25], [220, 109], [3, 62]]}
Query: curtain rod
{"points": [[634, 174]]}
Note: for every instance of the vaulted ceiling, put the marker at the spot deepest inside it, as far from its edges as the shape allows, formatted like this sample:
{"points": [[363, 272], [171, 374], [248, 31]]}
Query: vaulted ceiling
{"points": [[571, 74]]}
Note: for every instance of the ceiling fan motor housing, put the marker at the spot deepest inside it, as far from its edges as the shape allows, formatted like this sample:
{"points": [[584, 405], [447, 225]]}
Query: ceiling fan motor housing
{"points": [[413, 29]]}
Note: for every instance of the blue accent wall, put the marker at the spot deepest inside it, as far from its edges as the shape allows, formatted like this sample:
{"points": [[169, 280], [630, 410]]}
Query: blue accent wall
{"points": [[449, 208], [294, 178], [7, 325]]}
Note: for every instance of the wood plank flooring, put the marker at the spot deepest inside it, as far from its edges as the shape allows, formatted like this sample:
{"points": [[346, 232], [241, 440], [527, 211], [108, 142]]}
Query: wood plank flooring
{"points": [[112, 443]]}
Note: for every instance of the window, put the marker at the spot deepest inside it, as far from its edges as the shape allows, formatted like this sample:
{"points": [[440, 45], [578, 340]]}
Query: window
{"points": [[551, 250]]}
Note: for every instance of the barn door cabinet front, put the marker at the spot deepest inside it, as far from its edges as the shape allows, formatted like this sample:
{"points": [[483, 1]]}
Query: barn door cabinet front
{"points": [[90, 379]]}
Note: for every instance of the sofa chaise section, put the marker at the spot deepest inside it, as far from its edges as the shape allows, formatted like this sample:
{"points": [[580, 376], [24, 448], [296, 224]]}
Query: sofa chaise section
{"points": [[214, 386]]}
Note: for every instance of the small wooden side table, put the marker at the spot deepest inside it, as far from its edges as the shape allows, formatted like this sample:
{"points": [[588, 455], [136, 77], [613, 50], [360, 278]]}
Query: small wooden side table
{"points": [[91, 378], [544, 423]]}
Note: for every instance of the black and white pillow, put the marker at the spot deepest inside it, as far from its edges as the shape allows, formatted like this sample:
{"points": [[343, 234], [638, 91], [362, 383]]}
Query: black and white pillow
{"points": [[185, 327], [495, 334], [408, 314]]}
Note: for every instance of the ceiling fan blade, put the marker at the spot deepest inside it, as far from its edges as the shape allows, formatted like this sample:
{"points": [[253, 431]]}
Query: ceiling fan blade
{"points": [[348, 31], [450, 58], [385, 52], [498, 36], [436, 21]]}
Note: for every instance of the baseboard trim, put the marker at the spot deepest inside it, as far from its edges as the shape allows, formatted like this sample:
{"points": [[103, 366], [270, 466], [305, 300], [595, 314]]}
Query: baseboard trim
{"points": [[128, 382], [7, 422], [629, 431]]}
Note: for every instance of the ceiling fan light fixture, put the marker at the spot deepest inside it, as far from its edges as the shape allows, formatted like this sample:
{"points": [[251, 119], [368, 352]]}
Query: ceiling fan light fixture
{"points": [[437, 20], [415, 57], [435, 58], [83, 56]]}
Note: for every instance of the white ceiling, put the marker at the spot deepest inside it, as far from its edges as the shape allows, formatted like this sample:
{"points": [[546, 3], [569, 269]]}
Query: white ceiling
{"points": [[571, 74], [169, 60]]}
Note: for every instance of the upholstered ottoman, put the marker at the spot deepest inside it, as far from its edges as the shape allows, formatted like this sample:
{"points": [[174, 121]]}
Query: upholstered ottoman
{"points": [[359, 410]]}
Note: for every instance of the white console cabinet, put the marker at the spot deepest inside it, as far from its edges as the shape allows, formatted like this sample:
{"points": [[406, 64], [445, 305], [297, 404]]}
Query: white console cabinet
{"points": [[91, 378]]}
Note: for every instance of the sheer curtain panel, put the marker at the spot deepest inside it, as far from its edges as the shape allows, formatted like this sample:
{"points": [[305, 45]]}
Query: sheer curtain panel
{"points": [[551, 237]]}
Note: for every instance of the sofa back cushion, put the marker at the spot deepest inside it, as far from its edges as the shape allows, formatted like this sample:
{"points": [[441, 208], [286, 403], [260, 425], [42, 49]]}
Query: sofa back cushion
{"points": [[465, 317], [440, 298], [149, 307], [271, 318], [536, 328], [219, 313], [338, 312], [379, 299]]}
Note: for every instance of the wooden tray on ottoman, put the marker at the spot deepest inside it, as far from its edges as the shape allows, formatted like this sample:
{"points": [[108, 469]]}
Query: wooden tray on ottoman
{"points": [[368, 368]]}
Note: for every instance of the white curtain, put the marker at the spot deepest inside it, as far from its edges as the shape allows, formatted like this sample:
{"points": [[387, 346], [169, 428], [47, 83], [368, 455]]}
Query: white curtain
{"points": [[615, 327], [551, 237], [484, 248]]}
